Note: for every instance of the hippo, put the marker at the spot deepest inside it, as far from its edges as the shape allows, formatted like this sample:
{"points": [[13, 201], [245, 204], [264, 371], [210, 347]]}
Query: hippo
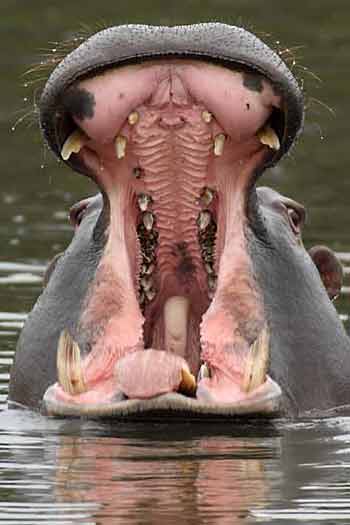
{"points": [[186, 290]]}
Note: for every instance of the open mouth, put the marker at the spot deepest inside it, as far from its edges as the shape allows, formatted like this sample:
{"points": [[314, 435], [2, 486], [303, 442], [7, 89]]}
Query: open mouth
{"points": [[174, 318]]}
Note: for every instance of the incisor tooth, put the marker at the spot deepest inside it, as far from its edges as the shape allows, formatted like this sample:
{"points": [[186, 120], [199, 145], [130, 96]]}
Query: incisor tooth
{"points": [[268, 137], [204, 372], [188, 384], [219, 144], [73, 144], [207, 116], [120, 146], [256, 366], [133, 118], [69, 370]]}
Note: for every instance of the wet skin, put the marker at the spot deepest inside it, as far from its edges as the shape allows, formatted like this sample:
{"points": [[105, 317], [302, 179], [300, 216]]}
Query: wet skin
{"points": [[185, 290]]}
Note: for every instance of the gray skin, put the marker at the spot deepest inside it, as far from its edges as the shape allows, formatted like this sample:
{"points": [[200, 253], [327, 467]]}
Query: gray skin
{"points": [[309, 355], [309, 349]]}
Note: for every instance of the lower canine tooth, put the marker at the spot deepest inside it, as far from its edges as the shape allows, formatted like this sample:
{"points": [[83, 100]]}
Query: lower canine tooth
{"points": [[256, 366], [120, 146], [219, 144], [73, 144], [176, 311], [188, 384], [69, 370], [268, 137]]}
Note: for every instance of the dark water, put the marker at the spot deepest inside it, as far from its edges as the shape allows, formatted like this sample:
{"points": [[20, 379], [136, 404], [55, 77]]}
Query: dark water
{"points": [[55, 471]]}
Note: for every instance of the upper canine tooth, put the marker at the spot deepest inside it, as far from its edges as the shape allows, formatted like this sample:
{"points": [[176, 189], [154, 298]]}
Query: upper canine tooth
{"points": [[120, 146], [219, 144], [133, 118], [73, 144], [268, 137], [69, 370], [207, 116], [257, 361]]}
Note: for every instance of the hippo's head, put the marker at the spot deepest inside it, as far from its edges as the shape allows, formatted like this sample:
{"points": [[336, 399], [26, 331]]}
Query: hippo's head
{"points": [[184, 285]]}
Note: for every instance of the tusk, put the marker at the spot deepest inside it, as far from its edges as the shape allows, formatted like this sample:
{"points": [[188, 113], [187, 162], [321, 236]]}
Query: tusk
{"points": [[188, 384], [268, 137], [256, 365], [69, 370], [73, 144], [120, 146]]}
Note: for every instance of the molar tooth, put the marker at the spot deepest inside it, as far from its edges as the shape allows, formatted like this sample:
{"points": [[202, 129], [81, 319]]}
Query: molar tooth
{"points": [[188, 384], [219, 144], [120, 146], [73, 144], [69, 371], [268, 137], [133, 118], [204, 219], [209, 269], [148, 220], [256, 366], [143, 201], [212, 282], [207, 116], [207, 196], [204, 372]]}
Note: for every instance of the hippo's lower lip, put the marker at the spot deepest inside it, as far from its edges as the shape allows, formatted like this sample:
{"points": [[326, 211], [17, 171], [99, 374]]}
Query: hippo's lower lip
{"points": [[174, 287]]}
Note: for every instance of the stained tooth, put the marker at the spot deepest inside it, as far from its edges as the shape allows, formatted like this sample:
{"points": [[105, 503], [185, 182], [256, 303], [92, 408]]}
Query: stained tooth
{"points": [[69, 370], [148, 220], [73, 144], [204, 372], [120, 146], [207, 116], [206, 196], [143, 201], [268, 137], [204, 219], [133, 118], [219, 144], [188, 384], [257, 361], [176, 310]]}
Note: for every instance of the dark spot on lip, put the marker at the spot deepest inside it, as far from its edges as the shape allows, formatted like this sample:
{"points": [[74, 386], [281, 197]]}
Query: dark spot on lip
{"points": [[253, 82], [79, 102]]}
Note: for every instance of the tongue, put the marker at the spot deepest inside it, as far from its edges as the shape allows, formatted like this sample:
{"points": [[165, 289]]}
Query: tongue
{"points": [[175, 323], [148, 373]]}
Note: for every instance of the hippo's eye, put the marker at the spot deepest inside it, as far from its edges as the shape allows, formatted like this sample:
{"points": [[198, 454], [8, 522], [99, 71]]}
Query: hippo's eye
{"points": [[296, 219]]}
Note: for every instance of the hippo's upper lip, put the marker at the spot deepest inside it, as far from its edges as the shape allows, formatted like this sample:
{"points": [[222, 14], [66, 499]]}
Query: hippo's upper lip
{"points": [[233, 47]]}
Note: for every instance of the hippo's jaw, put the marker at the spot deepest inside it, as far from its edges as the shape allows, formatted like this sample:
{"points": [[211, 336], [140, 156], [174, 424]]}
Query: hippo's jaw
{"points": [[174, 125], [175, 146]]}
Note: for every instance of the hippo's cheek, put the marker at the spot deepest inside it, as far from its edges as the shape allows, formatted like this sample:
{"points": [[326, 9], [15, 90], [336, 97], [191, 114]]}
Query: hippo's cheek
{"points": [[174, 146]]}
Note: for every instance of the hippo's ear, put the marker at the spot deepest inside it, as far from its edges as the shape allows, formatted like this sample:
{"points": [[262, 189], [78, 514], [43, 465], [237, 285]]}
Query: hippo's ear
{"points": [[330, 269]]}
